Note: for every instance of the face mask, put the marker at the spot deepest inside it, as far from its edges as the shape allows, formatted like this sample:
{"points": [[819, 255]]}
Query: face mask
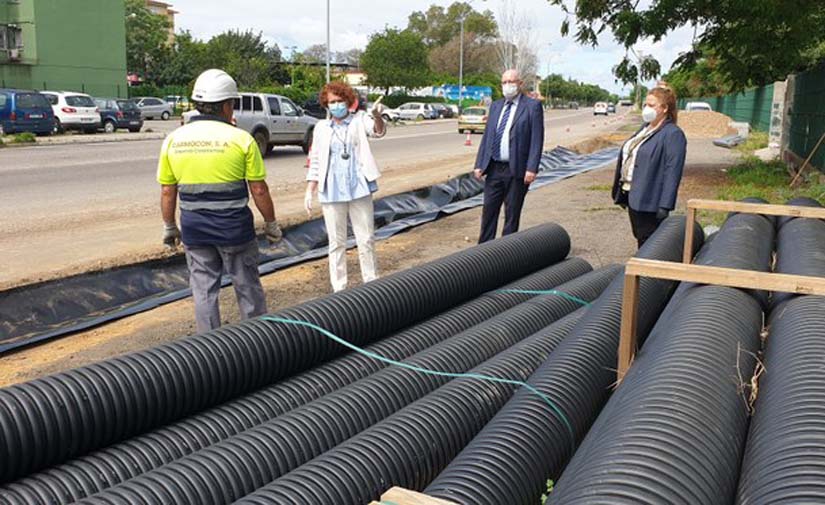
{"points": [[338, 110], [648, 114], [509, 90]]}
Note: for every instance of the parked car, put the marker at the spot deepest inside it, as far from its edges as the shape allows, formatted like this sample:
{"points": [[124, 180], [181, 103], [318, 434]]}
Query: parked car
{"points": [[694, 106], [611, 108], [119, 113], [312, 107], [151, 107], [573, 105], [73, 111], [391, 115], [187, 116], [600, 108], [453, 107], [274, 120], [442, 110], [472, 119], [25, 111], [178, 101], [417, 111]]}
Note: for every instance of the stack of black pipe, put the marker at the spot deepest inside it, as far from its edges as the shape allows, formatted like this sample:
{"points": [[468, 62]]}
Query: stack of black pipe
{"points": [[512, 458], [117, 463], [674, 431], [211, 476], [785, 453]]}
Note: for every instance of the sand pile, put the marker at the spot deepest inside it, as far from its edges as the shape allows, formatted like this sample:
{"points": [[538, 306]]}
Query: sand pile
{"points": [[705, 124]]}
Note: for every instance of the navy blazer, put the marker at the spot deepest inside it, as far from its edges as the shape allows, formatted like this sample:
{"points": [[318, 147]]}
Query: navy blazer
{"points": [[526, 137], [658, 172]]}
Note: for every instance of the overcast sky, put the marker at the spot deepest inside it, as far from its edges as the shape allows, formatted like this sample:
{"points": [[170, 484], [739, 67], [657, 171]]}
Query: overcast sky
{"points": [[302, 23]]}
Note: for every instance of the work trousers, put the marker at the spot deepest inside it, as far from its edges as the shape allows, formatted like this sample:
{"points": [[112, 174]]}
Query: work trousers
{"points": [[501, 188], [643, 224], [360, 212], [206, 266]]}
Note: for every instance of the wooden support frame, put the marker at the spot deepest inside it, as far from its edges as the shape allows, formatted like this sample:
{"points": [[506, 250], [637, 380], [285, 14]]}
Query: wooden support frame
{"points": [[745, 208], [401, 496], [637, 268]]}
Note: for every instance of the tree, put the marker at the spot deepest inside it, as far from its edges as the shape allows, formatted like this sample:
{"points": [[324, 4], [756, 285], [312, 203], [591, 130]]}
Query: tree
{"points": [[186, 61], [246, 57], [396, 58], [517, 41], [437, 26], [351, 57], [477, 60], [756, 42], [147, 40], [316, 53]]}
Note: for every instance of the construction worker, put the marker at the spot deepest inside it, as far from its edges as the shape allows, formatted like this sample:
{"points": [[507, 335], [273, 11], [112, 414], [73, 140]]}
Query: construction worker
{"points": [[213, 166]]}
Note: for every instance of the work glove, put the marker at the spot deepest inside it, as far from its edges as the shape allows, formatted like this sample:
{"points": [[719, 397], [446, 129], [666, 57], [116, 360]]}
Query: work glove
{"points": [[308, 200], [662, 214], [273, 232], [171, 235]]}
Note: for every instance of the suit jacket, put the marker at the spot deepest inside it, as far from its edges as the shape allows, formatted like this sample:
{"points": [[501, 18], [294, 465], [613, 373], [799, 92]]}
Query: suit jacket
{"points": [[658, 171], [360, 128], [526, 137]]}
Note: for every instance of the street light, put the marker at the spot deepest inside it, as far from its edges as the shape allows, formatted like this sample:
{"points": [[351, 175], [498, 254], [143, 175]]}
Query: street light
{"points": [[461, 19], [327, 41], [549, 58], [291, 63]]}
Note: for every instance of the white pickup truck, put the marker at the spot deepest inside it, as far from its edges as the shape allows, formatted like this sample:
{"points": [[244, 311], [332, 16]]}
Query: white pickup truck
{"points": [[274, 120]]}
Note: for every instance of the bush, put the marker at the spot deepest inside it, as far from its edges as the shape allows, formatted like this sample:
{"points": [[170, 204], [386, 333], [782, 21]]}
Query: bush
{"points": [[24, 138]]}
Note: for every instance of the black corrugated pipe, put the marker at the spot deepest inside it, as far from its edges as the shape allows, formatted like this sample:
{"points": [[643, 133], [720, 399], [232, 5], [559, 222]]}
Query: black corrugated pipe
{"points": [[97, 471], [674, 430], [785, 452], [512, 458], [247, 461], [50, 420], [801, 201], [800, 250], [409, 448]]}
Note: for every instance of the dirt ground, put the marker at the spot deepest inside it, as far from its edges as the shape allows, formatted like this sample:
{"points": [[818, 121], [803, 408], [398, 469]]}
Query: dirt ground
{"points": [[599, 231]]}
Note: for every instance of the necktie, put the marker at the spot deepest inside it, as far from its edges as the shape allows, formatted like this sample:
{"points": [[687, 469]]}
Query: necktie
{"points": [[502, 125]]}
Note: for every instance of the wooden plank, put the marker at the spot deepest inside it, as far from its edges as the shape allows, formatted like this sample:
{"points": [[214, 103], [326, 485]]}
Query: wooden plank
{"points": [[690, 223], [745, 279], [628, 335], [758, 208], [401, 496]]}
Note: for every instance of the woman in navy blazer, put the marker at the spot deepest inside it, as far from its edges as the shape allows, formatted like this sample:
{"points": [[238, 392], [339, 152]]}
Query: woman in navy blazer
{"points": [[649, 169]]}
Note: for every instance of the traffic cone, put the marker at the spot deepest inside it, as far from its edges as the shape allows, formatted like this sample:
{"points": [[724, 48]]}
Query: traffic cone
{"points": [[469, 141]]}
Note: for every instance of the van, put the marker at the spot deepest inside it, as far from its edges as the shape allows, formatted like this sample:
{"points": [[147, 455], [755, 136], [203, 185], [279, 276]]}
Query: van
{"points": [[25, 111], [274, 120]]}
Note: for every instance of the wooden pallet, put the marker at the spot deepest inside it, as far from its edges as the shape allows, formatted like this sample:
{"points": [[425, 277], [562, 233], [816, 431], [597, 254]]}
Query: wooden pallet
{"points": [[686, 272], [401, 496]]}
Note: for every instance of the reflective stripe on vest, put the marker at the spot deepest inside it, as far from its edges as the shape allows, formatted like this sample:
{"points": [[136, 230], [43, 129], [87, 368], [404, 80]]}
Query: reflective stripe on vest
{"points": [[213, 196]]}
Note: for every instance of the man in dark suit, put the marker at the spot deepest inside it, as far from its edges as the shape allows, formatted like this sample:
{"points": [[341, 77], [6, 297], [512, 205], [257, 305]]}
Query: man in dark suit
{"points": [[509, 154]]}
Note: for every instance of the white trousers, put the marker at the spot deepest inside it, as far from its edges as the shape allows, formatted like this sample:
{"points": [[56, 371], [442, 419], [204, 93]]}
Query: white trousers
{"points": [[360, 212]]}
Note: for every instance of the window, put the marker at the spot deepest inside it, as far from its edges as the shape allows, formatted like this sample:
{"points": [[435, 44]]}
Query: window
{"points": [[101, 103], [79, 101], [52, 99], [237, 104], [246, 103], [274, 106], [3, 100], [257, 106], [288, 108], [127, 105], [32, 101]]}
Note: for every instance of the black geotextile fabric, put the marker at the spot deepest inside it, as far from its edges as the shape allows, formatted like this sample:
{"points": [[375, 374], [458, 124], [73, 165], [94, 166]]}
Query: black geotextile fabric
{"points": [[38, 312]]}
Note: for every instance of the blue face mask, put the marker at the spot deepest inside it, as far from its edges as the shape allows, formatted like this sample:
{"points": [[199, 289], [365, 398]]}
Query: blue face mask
{"points": [[338, 110]]}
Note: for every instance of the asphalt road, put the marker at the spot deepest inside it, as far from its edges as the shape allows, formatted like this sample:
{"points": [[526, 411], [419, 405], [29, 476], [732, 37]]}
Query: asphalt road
{"points": [[75, 200]]}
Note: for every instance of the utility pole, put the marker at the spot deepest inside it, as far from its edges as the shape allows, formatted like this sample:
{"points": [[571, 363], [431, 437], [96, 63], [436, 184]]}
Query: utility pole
{"points": [[461, 61], [549, 58], [327, 41]]}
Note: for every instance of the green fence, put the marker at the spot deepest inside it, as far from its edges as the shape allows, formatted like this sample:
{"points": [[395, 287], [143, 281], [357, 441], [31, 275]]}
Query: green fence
{"points": [[807, 115], [752, 106]]}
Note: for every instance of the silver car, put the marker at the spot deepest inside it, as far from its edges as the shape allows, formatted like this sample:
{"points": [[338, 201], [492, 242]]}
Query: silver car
{"points": [[151, 107], [274, 120]]}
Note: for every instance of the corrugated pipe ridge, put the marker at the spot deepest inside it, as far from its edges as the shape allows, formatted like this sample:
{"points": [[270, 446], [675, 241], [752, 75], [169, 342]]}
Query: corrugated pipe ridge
{"points": [[674, 431], [800, 250], [411, 447], [97, 471], [52, 419], [785, 452], [230, 469], [512, 458], [801, 201]]}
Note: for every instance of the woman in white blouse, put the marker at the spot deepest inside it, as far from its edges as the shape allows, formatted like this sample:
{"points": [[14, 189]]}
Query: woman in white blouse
{"points": [[343, 174]]}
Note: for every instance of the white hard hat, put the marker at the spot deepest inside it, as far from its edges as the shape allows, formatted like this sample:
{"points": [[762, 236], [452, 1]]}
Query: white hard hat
{"points": [[214, 86]]}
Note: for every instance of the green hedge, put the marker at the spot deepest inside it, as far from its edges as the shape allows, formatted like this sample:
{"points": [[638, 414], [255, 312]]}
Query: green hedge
{"points": [[159, 91]]}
